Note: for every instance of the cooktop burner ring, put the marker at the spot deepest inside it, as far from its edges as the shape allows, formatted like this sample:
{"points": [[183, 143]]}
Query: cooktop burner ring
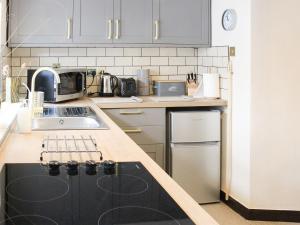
{"points": [[29, 221], [139, 179], [65, 192], [139, 207]]}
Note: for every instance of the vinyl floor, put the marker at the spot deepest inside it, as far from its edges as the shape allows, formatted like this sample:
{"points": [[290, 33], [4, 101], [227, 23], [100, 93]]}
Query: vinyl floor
{"points": [[226, 216]]}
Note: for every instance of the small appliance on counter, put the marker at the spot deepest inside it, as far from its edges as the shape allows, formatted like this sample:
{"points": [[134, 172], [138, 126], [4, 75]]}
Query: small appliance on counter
{"points": [[72, 84], [143, 82], [108, 85], [127, 87], [169, 88]]}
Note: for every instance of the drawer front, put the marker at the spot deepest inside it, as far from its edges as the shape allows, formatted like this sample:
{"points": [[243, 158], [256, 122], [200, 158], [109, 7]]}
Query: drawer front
{"points": [[146, 134], [137, 116], [156, 152]]}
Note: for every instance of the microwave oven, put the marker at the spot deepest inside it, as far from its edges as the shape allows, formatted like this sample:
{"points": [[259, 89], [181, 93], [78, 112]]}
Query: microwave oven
{"points": [[72, 84]]}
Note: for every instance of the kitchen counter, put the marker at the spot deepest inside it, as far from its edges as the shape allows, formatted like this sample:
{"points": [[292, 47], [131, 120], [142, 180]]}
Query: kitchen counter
{"points": [[115, 145], [154, 102]]}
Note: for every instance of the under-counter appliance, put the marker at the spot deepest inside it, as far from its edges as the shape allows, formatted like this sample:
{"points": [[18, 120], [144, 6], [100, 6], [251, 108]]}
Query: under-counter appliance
{"points": [[72, 84], [108, 85], [169, 88], [85, 194], [194, 152]]}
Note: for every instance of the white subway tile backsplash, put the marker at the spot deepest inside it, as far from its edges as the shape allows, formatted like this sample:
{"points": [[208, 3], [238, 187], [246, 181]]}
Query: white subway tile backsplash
{"points": [[186, 69], [48, 61], [123, 61], [129, 71], [118, 71], [68, 61], [177, 61], [77, 51], [150, 51], [20, 52], [86, 61], [58, 52], [153, 70], [185, 52], [132, 52], [30, 61], [95, 51], [191, 61], [15, 61], [114, 51], [40, 52], [105, 61], [163, 63], [168, 70], [168, 52], [159, 61], [212, 51], [141, 61]]}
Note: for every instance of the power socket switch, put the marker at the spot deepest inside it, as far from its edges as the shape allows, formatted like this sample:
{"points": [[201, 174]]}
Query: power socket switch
{"points": [[91, 72]]}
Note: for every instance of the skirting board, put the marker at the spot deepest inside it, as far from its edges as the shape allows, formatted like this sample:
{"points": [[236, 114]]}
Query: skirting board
{"points": [[261, 214]]}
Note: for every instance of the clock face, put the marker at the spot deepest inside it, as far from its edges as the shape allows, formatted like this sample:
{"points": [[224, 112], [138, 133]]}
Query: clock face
{"points": [[229, 19]]}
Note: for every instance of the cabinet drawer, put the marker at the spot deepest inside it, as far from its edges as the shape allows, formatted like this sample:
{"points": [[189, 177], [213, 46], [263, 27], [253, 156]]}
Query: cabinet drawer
{"points": [[146, 134], [137, 116], [156, 152]]}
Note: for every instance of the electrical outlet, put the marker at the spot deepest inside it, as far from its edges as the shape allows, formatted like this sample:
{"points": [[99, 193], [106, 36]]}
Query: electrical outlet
{"points": [[91, 72], [232, 51]]}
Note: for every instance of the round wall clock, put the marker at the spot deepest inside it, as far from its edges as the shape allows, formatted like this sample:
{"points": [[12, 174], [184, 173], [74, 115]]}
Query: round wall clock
{"points": [[229, 19]]}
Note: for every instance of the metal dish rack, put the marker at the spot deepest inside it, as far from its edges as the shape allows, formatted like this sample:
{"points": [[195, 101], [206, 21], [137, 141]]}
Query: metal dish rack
{"points": [[69, 144]]}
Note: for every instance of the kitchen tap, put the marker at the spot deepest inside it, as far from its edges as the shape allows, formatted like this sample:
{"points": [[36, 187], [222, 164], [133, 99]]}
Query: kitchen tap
{"points": [[36, 73]]}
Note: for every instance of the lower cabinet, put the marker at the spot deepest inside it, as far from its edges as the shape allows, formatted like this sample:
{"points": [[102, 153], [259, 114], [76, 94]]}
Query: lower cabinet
{"points": [[146, 127]]}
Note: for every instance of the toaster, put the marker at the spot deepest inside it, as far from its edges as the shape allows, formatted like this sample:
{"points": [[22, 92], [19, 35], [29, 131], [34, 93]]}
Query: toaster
{"points": [[127, 87]]}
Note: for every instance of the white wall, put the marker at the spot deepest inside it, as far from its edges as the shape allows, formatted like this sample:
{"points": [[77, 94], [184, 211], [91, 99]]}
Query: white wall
{"points": [[275, 141], [240, 38]]}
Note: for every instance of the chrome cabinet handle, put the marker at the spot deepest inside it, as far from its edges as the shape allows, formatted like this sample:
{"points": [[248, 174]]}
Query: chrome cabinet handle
{"points": [[69, 23], [138, 112], [109, 29], [117, 29], [131, 131], [156, 22]]}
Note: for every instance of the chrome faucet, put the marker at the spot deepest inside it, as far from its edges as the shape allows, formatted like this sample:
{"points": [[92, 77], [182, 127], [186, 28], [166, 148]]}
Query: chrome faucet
{"points": [[56, 76]]}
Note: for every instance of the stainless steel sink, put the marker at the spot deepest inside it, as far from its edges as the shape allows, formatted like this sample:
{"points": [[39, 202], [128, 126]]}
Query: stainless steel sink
{"points": [[68, 118]]}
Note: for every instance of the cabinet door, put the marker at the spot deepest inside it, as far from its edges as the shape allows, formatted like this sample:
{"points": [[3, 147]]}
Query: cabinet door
{"points": [[40, 21], [182, 22], [133, 21], [156, 152], [93, 21]]}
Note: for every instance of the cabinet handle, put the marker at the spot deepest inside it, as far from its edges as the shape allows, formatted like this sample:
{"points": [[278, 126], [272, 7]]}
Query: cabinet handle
{"points": [[117, 29], [109, 29], [156, 22], [138, 112], [69, 23], [133, 131]]}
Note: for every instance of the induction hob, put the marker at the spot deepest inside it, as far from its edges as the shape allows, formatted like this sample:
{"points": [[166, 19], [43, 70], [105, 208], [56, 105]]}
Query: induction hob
{"points": [[126, 194]]}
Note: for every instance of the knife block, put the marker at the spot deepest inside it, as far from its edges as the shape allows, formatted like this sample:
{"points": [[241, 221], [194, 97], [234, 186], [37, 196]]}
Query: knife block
{"points": [[191, 88]]}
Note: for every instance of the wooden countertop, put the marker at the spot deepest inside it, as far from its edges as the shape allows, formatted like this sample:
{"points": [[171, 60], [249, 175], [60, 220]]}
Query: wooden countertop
{"points": [[114, 144], [150, 102]]}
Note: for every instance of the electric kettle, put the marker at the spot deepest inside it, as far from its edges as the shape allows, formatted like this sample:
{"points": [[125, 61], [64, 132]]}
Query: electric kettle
{"points": [[108, 85]]}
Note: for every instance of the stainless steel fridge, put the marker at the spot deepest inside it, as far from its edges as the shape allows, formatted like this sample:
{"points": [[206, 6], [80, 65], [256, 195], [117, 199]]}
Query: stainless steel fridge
{"points": [[193, 155]]}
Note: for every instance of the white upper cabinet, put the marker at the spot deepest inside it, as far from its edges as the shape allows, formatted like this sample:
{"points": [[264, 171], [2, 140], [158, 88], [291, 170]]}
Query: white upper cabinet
{"points": [[182, 22], [93, 21], [133, 21], [39, 22]]}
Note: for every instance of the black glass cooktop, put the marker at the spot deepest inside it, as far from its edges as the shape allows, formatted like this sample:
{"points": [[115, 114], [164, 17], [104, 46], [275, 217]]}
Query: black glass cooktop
{"points": [[127, 194]]}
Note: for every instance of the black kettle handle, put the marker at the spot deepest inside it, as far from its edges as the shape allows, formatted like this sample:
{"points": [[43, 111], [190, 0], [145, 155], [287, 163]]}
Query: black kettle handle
{"points": [[115, 82]]}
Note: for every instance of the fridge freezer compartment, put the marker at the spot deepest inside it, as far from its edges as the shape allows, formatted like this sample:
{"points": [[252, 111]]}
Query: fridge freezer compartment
{"points": [[194, 127], [196, 167]]}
